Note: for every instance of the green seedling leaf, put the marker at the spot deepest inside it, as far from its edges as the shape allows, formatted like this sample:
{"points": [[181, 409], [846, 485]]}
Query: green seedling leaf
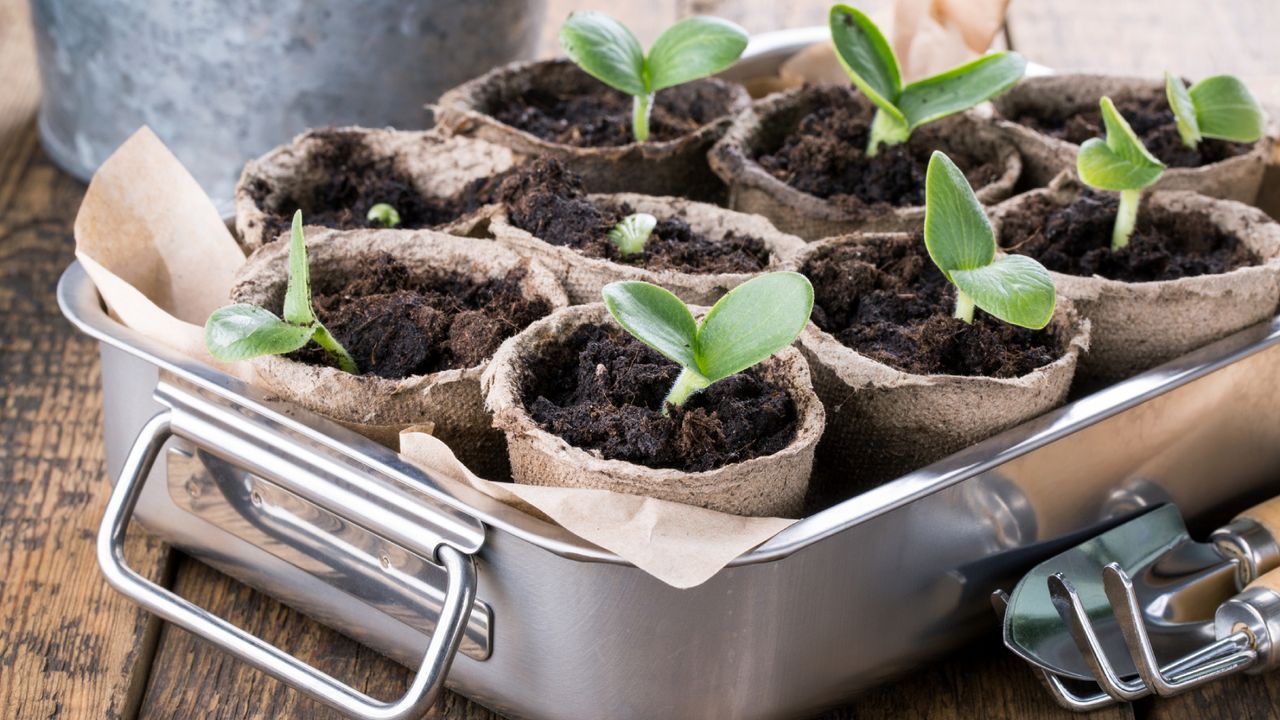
{"points": [[240, 332], [1121, 162], [960, 241], [1184, 110], [1226, 110], [750, 323], [869, 61], [1014, 288], [867, 57], [960, 88], [297, 297], [606, 50], [632, 232], [655, 317], [693, 48], [384, 215], [957, 233]]}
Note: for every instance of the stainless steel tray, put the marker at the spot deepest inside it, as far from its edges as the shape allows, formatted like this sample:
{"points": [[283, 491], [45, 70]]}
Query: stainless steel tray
{"points": [[342, 529]]}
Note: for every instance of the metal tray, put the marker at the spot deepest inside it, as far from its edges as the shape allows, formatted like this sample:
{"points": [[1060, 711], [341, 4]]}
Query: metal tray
{"points": [[546, 625]]}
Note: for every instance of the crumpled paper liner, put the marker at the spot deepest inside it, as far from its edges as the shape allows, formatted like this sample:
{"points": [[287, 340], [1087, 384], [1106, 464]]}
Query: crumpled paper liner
{"points": [[1044, 157], [883, 422], [763, 486], [584, 276], [752, 189], [380, 407], [681, 545], [153, 244], [438, 164], [1137, 326], [162, 260], [927, 36], [674, 167]]}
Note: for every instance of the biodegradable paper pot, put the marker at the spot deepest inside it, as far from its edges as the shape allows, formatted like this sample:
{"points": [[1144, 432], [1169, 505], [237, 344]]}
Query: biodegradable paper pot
{"points": [[1137, 326], [674, 167], [1043, 157], [763, 128], [883, 422], [771, 485], [377, 407], [584, 276], [438, 164]]}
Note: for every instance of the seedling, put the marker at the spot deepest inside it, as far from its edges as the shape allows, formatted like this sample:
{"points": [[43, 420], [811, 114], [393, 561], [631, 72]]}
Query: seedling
{"points": [[1216, 107], [1013, 288], [870, 63], [1121, 162], [243, 331], [747, 325], [632, 232], [691, 49], [384, 215]]}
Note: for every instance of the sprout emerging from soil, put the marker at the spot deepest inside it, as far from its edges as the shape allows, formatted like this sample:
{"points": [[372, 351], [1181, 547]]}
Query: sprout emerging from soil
{"points": [[691, 49], [1218, 107], [630, 234], [747, 325], [870, 63], [243, 331], [384, 215], [1121, 162], [1013, 288]]}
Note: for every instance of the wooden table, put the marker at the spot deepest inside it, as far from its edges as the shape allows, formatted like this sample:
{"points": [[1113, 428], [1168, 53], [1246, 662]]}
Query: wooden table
{"points": [[72, 648]]}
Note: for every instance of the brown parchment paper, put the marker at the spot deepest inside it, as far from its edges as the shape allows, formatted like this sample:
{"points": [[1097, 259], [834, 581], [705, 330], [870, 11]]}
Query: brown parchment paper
{"points": [[154, 245], [162, 259], [681, 545]]}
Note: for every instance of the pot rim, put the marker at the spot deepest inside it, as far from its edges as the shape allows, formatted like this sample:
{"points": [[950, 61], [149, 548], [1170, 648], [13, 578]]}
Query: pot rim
{"points": [[736, 165], [513, 418], [458, 113], [1264, 242], [1074, 337]]}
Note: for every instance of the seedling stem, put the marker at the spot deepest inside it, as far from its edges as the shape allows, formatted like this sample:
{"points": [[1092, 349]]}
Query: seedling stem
{"points": [[687, 383], [346, 363], [1126, 218], [964, 306], [641, 107]]}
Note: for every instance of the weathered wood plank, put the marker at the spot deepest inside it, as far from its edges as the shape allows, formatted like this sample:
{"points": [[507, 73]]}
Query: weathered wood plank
{"points": [[70, 646]]}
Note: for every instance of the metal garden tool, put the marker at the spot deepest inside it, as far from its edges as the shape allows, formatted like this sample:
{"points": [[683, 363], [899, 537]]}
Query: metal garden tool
{"points": [[1246, 629], [1177, 584]]}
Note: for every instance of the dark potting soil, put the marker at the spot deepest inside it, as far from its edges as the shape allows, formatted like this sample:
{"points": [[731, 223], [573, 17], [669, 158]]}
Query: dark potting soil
{"points": [[1076, 240], [826, 156], [600, 389], [396, 323], [548, 200], [601, 117], [888, 301], [1151, 119], [355, 179]]}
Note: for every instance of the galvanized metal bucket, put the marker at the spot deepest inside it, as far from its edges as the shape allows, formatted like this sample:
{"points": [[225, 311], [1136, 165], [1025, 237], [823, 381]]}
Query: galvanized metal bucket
{"points": [[224, 82]]}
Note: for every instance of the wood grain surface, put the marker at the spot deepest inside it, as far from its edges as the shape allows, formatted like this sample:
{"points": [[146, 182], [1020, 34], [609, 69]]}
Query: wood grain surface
{"points": [[71, 648]]}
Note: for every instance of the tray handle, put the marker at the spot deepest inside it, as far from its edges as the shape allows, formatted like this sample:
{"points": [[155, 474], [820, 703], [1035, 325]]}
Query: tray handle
{"points": [[459, 595]]}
